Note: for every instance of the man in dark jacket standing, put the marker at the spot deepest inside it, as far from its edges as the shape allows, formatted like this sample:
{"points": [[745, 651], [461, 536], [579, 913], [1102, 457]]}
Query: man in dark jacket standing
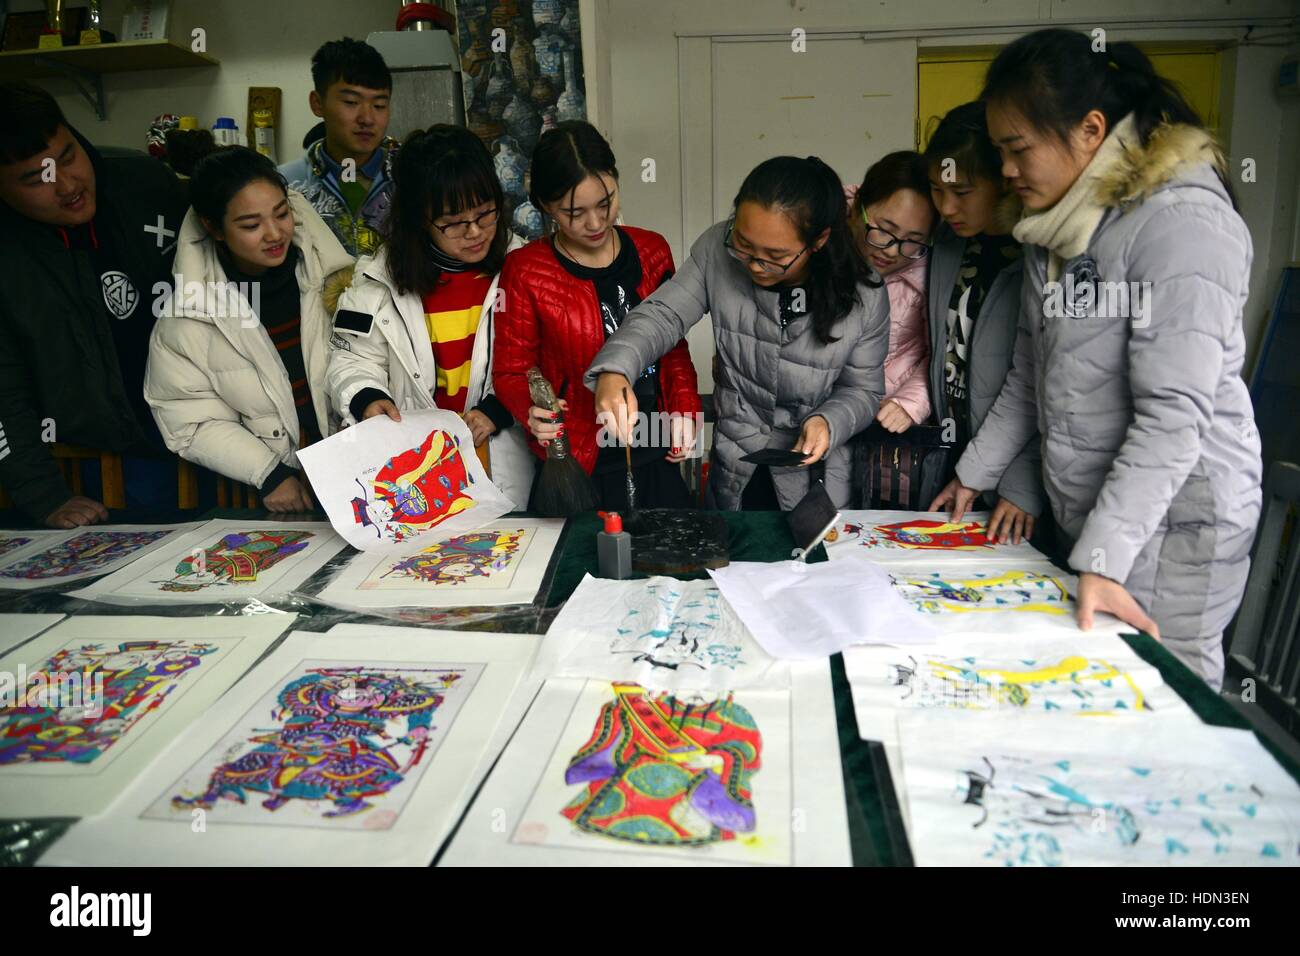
{"points": [[84, 238]]}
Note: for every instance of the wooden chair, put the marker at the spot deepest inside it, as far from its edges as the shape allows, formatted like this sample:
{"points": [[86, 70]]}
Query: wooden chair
{"points": [[69, 459], [113, 487], [880, 459], [230, 494], [187, 485], [234, 494]]}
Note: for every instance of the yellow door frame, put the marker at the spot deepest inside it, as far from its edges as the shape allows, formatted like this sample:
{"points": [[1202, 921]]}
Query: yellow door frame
{"points": [[985, 54]]}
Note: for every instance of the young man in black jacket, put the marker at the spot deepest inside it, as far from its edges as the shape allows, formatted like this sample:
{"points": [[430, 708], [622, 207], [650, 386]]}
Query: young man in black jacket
{"points": [[84, 238]]}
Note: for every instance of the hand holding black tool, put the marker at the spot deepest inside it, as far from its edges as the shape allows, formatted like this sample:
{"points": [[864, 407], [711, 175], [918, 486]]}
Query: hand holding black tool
{"points": [[776, 458]]}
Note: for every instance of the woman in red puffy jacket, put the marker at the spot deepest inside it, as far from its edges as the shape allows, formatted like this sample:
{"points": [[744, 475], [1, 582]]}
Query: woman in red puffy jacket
{"points": [[564, 294]]}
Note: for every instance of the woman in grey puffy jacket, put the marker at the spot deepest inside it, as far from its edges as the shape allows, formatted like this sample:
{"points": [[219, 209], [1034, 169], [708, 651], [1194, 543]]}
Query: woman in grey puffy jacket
{"points": [[1129, 354], [801, 329]]}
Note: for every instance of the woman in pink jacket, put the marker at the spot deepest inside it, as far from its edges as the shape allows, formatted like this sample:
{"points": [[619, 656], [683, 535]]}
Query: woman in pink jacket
{"points": [[891, 218]]}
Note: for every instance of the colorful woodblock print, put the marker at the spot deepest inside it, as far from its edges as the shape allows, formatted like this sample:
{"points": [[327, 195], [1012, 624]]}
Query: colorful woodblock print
{"points": [[336, 745], [11, 543], [1072, 682], [88, 552], [948, 592], [84, 699], [238, 558], [660, 771], [467, 560], [416, 490]]}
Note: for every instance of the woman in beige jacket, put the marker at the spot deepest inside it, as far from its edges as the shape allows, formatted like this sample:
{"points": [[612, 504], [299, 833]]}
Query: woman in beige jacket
{"points": [[237, 359]]}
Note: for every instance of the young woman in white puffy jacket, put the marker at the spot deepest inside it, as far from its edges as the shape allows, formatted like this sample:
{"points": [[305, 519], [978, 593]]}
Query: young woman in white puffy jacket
{"points": [[237, 358]]}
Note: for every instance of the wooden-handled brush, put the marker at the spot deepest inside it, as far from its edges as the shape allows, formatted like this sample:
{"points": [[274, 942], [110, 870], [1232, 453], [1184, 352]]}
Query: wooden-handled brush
{"points": [[631, 482], [563, 488]]}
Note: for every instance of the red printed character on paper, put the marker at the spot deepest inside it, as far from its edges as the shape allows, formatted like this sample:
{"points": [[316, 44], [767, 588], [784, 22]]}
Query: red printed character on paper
{"points": [[416, 490], [924, 534]]}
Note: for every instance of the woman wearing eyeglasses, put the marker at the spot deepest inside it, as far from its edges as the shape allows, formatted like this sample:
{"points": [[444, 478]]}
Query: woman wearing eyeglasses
{"points": [[568, 292], [415, 330], [800, 326], [975, 279], [891, 218]]}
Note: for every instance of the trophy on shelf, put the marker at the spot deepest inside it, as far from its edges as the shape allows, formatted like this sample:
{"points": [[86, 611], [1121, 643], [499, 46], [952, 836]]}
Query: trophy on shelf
{"points": [[95, 32], [52, 35]]}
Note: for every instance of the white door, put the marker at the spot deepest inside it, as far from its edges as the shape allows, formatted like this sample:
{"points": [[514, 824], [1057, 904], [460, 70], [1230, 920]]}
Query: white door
{"points": [[847, 101], [744, 100]]}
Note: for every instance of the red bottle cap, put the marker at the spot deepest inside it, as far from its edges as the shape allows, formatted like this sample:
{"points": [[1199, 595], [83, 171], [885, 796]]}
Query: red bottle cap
{"points": [[613, 522]]}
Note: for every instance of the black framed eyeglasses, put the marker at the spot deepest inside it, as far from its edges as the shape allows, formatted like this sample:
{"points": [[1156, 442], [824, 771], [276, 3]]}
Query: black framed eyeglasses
{"points": [[883, 239], [459, 228], [766, 265]]}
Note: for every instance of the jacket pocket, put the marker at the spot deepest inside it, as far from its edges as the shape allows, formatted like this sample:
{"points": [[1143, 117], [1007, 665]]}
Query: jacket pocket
{"points": [[269, 428]]}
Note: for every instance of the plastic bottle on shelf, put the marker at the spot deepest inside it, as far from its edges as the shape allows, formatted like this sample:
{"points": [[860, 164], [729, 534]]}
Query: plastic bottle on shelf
{"points": [[225, 131]]}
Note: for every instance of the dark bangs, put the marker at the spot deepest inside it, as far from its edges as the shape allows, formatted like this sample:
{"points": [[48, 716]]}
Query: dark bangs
{"points": [[963, 136], [442, 171], [29, 118]]}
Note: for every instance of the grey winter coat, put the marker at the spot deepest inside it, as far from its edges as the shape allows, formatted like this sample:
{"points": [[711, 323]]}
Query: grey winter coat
{"points": [[1151, 458], [988, 359], [770, 379]]}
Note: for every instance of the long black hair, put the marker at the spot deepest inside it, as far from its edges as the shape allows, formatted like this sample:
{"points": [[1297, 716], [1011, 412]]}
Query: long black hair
{"points": [[440, 171], [222, 173], [564, 157], [963, 136], [1054, 78], [810, 193]]}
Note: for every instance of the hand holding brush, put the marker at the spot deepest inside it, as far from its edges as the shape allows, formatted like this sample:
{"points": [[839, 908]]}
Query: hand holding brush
{"points": [[563, 488], [631, 482]]}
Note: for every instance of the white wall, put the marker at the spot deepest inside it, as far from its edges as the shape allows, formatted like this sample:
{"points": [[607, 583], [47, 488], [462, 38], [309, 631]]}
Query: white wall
{"points": [[259, 43], [658, 70]]}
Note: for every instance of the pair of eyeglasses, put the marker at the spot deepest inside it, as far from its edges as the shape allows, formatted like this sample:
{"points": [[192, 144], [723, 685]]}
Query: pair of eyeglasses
{"points": [[766, 265], [459, 228], [883, 239]]}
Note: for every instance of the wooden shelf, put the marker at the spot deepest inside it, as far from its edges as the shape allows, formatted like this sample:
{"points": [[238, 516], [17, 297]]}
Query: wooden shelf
{"points": [[86, 65]]}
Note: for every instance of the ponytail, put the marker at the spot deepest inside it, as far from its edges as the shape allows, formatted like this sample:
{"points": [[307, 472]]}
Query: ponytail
{"points": [[810, 193], [1134, 86]]}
